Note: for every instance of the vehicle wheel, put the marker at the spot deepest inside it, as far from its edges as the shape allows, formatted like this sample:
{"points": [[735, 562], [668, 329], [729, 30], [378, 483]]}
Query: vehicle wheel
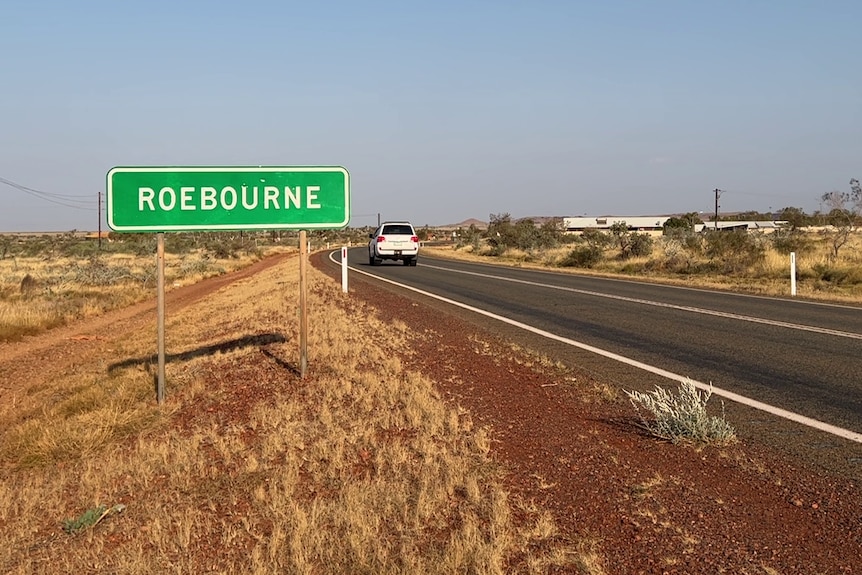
{"points": [[413, 261], [372, 261], [407, 261]]}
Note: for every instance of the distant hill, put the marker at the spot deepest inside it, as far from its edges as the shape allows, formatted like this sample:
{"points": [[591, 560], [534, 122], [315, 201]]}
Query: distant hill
{"points": [[538, 220], [465, 224], [541, 220]]}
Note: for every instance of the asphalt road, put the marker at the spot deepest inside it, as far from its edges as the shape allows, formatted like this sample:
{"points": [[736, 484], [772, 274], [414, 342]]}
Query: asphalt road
{"points": [[802, 357]]}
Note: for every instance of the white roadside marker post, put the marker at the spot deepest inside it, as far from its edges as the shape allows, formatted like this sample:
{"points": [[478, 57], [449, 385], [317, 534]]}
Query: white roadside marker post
{"points": [[793, 273], [344, 269]]}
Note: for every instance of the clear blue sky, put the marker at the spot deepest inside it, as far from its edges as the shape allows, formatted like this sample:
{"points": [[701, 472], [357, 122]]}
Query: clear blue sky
{"points": [[442, 110]]}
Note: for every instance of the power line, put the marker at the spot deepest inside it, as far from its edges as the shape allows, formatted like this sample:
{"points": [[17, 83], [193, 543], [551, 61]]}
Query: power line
{"points": [[784, 197], [76, 202]]}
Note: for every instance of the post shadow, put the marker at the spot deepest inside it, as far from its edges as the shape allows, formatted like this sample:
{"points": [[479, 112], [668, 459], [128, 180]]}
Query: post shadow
{"points": [[257, 340]]}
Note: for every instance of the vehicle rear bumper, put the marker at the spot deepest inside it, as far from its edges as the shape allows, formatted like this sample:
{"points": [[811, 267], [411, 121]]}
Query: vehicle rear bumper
{"points": [[397, 254]]}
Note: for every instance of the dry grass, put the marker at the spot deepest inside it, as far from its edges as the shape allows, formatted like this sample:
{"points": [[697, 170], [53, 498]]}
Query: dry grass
{"points": [[818, 277], [40, 292], [359, 468], [590, 558]]}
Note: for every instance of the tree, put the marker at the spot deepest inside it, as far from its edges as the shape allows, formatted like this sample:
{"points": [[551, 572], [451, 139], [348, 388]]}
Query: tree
{"points": [[499, 232], [472, 236], [790, 238], [795, 217], [620, 231], [596, 238], [631, 243], [503, 233], [845, 213], [674, 223], [686, 223], [551, 233]]}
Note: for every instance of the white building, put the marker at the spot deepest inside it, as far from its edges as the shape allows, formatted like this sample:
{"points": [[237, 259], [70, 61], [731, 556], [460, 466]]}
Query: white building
{"points": [[763, 226], [653, 224]]}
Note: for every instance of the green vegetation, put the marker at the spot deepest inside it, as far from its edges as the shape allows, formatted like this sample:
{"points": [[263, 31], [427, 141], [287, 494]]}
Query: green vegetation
{"points": [[90, 518], [631, 244], [827, 245], [828, 257]]}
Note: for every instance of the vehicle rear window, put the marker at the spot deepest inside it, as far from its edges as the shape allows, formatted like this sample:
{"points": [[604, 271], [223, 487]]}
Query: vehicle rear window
{"points": [[397, 230]]}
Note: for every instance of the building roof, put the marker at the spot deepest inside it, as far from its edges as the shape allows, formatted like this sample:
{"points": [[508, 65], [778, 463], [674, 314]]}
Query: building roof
{"points": [[657, 223], [758, 225], [605, 222]]}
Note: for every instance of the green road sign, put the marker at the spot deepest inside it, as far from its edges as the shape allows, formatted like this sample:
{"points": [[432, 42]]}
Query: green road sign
{"points": [[164, 199]]}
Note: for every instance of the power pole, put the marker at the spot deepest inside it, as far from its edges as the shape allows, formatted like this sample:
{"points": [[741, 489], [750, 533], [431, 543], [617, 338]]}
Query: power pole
{"points": [[100, 221], [717, 195]]}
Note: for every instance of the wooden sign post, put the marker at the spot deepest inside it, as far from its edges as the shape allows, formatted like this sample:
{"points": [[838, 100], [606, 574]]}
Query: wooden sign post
{"points": [[303, 304], [160, 265]]}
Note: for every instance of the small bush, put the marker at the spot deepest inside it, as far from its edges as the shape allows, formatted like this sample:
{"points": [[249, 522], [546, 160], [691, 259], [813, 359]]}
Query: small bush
{"points": [[87, 519], [693, 242], [788, 241], [471, 237], [687, 239], [199, 267], [29, 285], [674, 257], [98, 272], [641, 245], [90, 518], [681, 417], [838, 275], [596, 238], [582, 257], [733, 252]]}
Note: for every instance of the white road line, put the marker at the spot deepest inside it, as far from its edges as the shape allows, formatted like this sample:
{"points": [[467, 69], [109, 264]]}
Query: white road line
{"points": [[703, 311], [771, 409]]}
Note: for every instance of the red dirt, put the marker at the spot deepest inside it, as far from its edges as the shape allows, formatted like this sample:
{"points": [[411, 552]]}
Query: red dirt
{"points": [[649, 506], [653, 507]]}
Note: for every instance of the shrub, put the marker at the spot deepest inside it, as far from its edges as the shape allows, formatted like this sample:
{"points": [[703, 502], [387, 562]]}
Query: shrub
{"points": [[471, 237], [29, 285], [838, 275], [675, 257], [733, 251], [582, 257], [693, 242], [525, 235], [677, 224], [199, 267], [97, 272], [785, 242], [671, 246], [640, 245], [597, 238], [681, 417], [90, 518], [631, 244]]}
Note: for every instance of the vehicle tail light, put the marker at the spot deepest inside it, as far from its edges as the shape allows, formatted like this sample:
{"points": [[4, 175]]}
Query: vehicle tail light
{"points": [[414, 239], [380, 239]]}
